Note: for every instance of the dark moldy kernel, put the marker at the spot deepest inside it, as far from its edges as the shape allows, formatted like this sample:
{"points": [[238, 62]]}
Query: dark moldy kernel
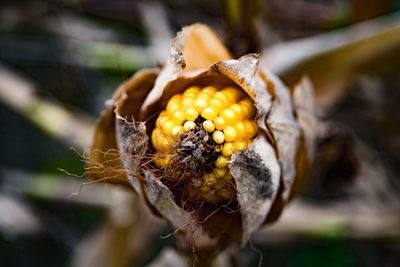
{"points": [[195, 150]]}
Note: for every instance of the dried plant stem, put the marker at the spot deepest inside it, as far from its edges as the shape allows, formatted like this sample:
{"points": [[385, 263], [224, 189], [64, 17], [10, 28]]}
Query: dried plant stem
{"points": [[332, 59], [124, 240], [18, 93], [347, 219]]}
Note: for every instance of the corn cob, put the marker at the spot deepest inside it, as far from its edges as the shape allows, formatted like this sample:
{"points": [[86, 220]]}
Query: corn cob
{"points": [[226, 120]]}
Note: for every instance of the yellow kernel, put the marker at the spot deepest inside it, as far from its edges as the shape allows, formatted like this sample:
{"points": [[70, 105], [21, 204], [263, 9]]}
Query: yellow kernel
{"points": [[218, 148], [208, 126], [246, 112], [220, 172], [189, 95], [228, 149], [188, 101], [219, 185], [219, 123], [217, 104], [230, 133], [241, 130], [237, 110], [204, 96], [163, 161], [224, 99], [249, 110], [167, 127], [221, 161], [218, 137], [204, 189], [207, 197], [193, 90], [228, 177], [252, 128], [189, 125], [178, 116], [154, 138], [191, 114], [200, 104], [239, 145], [232, 93], [225, 194], [175, 99], [161, 120], [209, 90], [177, 131], [209, 113], [210, 179], [164, 144], [173, 107], [229, 116]]}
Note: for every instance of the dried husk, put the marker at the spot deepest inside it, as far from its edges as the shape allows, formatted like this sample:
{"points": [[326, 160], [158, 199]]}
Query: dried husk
{"points": [[265, 173]]}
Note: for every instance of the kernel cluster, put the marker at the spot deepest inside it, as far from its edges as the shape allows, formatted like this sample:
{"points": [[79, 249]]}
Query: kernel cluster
{"points": [[227, 115]]}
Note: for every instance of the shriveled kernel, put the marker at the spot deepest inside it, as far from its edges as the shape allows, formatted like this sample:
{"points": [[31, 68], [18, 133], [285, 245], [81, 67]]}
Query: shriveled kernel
{"points": [[167, 127], [218, 137], [218, 148], [178, 116], [208, 126], [219, 172], [189, 125], [229, 116], [228, 149], [230, 134], [238, 111], [221, 161], [239, 145], [191, 114], [200, 104], [209, 113], [241, 131], [219, 123], [177, 131]]}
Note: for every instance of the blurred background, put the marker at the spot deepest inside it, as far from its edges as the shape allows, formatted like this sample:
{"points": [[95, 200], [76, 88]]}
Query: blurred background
{"points": [[61, 60]]}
